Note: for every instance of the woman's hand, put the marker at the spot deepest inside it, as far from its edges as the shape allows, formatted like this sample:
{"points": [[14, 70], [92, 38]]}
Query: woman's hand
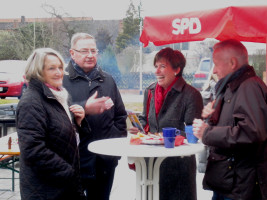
{"points": [[78, 112], [133, 130]]}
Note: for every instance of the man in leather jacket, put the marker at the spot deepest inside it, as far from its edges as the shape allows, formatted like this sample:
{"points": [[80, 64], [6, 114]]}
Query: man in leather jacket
{"points": [[235, 128]]}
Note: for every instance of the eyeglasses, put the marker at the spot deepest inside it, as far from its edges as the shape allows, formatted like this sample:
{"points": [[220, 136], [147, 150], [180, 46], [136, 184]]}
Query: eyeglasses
{"points": [[87, 52]]}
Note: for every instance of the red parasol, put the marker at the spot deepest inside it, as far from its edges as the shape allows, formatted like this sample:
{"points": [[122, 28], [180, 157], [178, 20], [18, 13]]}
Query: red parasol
{"points": [[246, 24]]}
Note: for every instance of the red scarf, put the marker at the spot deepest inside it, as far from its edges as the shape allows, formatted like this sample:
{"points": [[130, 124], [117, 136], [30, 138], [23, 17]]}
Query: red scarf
{"points": [[159, 92], [160, 95]]}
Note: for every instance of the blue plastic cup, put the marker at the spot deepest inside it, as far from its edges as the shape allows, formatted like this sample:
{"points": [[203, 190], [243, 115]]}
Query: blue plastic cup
{"points": [[191, 138], [170, 132], [169, 135], [169, 142]]}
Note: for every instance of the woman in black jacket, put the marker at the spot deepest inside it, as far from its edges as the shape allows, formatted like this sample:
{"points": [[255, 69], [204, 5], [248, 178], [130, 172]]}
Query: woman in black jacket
{"points": [[48, 138]]}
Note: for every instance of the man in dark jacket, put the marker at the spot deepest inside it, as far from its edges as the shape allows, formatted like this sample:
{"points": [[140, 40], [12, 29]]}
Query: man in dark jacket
{"points": [[106, 115], [236, 130]]}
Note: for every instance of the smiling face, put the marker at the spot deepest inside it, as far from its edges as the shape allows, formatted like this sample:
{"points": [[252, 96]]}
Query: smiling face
{"points": [[86, 61], [165, 74], [53, 71]]}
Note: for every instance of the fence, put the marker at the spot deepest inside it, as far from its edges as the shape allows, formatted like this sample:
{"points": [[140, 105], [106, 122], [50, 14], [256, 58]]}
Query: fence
{"points": [[132, 80]]}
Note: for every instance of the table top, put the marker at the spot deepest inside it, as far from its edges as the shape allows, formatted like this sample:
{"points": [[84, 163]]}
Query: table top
{"points": [[14, 145], [122, 147]]}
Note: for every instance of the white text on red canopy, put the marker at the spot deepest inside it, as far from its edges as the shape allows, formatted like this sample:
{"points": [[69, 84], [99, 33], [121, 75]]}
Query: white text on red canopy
{"points": [[180, 25]]}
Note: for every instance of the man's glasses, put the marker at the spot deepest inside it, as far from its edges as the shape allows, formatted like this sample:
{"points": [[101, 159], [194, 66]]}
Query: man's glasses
{"points": [[87, 52]]}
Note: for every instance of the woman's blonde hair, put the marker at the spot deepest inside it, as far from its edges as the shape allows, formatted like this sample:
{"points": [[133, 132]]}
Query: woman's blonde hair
{"points": [[35, 63]]}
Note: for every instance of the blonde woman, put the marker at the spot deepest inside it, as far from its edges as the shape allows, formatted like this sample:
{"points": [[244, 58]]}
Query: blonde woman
{"points": [[47, 131]]}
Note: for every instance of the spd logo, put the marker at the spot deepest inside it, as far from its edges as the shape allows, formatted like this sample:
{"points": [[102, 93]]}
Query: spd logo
{"points": [[193, 25]]}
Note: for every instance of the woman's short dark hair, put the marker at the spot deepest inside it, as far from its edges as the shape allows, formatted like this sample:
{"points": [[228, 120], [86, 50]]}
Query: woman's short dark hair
{"points": [[174, 57]]}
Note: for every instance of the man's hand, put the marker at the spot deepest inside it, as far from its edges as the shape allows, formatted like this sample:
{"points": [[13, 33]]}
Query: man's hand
{"points": [[208, 110], [78, 112], [96, 105], [198, 128]]}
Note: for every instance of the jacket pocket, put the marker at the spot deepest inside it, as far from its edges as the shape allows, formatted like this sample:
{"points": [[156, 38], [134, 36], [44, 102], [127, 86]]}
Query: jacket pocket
{"points": [[219, 173]]}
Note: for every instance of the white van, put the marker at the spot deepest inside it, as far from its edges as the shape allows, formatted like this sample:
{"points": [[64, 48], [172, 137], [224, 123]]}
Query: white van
{"points": [[202, 74]]}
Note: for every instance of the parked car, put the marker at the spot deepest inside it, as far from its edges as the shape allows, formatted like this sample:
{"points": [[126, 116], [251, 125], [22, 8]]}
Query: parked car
{"points": [[203, 73], [12, 78]]}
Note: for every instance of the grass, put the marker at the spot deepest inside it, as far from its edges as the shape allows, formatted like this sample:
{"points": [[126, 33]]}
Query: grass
{"points": [[134, 106], [7, 101]]}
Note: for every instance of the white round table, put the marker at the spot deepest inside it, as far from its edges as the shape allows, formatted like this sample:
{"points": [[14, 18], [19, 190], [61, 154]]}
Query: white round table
{"points": [[147, 178]]}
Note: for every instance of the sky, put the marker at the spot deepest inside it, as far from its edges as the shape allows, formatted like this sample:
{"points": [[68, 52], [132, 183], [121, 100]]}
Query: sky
{"points": [[112, 9], [115, 9]]}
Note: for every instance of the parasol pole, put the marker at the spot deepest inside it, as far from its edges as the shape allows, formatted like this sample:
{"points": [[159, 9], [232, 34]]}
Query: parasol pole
{"points": [[140, 53]]}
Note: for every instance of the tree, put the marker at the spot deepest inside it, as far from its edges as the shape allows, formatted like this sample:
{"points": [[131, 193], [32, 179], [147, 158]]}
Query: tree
{"points": [[126, 58], [130, 33], [108, 62], [103, 39], [7, 44], [19, 43], [258, 61], [62, 29], [65, 26], [55, 32]]}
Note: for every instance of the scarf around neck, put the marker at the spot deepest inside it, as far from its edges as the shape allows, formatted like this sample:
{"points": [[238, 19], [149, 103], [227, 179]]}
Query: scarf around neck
{"points": [[235, 78], [91, 75], [62, 97], [52, 87], [160, 95]]}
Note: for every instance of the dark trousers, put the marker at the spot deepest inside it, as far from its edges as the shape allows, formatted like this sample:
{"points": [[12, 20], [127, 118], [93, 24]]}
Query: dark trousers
{"points": [[99, 188], [178, 178], [217, 196]]}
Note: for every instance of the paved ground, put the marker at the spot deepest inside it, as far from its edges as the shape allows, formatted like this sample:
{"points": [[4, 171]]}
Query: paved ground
{"points": [[124, 182], [6, 186], [123, 187]]}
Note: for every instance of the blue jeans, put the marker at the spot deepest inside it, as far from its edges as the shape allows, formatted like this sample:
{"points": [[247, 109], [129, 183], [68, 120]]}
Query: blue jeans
{"points": [[217, 196]]}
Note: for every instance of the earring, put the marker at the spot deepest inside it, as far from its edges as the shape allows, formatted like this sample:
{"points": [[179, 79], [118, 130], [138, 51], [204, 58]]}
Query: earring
{"points": [[175, 74]]}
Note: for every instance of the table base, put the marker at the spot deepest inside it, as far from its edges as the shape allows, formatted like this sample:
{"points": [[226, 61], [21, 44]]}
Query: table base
{"points": [[147, 177]]}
